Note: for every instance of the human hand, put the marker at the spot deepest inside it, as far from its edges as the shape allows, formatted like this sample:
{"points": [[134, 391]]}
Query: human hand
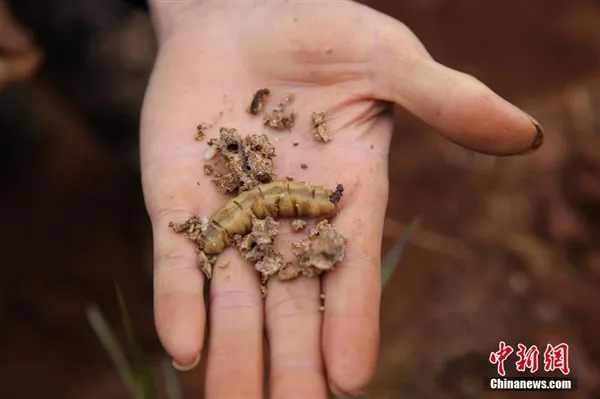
{"points": [[341, 57]]}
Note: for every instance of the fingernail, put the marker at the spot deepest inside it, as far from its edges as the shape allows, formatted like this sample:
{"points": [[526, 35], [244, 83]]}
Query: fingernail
{"points": [[336, 391], [189, 367], [538, 140], [338, 394]]}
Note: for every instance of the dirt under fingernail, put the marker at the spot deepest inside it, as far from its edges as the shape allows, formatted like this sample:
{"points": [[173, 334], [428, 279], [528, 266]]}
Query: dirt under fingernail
{"points": [[538, 139]]}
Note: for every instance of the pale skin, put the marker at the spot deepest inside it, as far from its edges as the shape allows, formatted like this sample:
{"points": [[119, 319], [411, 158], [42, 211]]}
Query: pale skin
{"points": [[341, 57]]}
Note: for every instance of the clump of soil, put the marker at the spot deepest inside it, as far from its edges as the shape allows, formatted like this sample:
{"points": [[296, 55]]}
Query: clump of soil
{"points": [[320, 252], [259, 247], [320, 130], [200, 131], [298, 225], [249, 161], [323, 249], [280, 118], [258, 102], [193, 228]]}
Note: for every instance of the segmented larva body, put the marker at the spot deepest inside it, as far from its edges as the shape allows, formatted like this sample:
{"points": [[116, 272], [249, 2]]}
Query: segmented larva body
{"points": [[277, 198]]}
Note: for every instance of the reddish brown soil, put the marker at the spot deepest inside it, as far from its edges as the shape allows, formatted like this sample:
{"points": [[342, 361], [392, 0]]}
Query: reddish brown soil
{"points": [[507, 250]]}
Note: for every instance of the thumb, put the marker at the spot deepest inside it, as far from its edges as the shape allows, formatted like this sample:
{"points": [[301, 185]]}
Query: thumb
{"points": [[459, 106]]}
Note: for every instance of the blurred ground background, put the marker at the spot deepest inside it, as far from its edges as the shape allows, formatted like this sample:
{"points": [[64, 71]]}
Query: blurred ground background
{"points": [[508, 249]]}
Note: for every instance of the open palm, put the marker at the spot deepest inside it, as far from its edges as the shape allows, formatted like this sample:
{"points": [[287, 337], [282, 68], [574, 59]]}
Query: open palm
{"points": [[339, 57]]}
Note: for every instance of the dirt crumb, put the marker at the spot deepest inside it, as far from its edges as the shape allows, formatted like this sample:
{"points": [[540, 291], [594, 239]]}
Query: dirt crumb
{"points": [[192, 229], [200, 131], [280, 118], [228, 183], [298, 225], [223, 264], [304, 166], [323, 249], [258, 102], [320, 131], [206, 263], [259, 247], [249, 160], [209, 170]]}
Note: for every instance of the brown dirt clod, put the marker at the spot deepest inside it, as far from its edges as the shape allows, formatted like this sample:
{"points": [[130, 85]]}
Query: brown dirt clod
{"points": [[320, 131], [259, 247], [223, 264], [200, 131], [323, 249], [298, 225], [193, 228], [258, 102], [249, 159], [209, 170], [279, 118]]}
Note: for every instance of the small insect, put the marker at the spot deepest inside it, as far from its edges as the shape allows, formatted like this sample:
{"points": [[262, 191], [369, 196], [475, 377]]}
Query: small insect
{"points": [[258, 101], [278, 198]]}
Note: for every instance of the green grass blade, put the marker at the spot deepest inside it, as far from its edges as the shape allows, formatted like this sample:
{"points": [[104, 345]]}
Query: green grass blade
{"points": [[145, 380], [171, 381], [393, 256], [112, 347]]}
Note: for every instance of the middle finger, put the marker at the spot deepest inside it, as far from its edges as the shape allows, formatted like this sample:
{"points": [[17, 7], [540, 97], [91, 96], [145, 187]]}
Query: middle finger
{"points": [[235, 349]]}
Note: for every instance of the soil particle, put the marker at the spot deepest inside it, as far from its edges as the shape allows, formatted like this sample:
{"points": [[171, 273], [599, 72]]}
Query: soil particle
{"points": [[209, 170], [320, 130], [298, 225], [280, 118], [206, 263], [193, 228], [323, 249], [200, 131], [223, 264], [258, 102], [258, 247], [249, 161]]}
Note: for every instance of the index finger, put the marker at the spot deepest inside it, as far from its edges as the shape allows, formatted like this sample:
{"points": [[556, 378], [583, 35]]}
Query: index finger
{"points": [[174, 190]]}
